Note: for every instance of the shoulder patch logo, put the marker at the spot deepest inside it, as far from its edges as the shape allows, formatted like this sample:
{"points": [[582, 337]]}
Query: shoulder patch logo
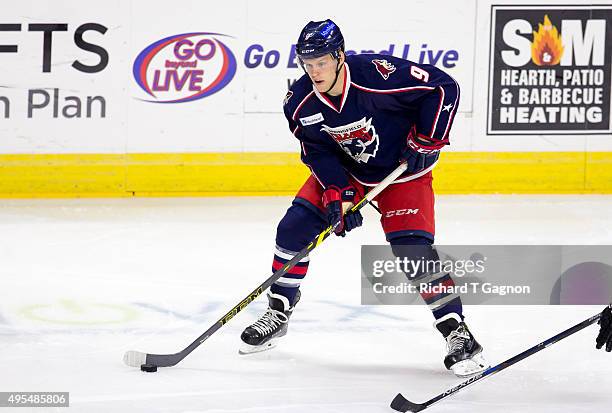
{"points": [[311, 120], [287, 97], [384, 68]]}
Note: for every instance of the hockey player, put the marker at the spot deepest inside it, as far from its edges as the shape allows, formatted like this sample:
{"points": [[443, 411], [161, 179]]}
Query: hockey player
{"points": [[356, 117]]}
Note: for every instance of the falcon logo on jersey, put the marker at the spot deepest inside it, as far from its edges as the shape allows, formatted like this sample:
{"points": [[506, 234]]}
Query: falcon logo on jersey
{"points": [[287, 97], [384, 68], [358, 139]]}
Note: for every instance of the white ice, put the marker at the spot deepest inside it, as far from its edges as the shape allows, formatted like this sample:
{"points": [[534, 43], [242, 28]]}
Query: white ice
{"points": [[83, 281]]}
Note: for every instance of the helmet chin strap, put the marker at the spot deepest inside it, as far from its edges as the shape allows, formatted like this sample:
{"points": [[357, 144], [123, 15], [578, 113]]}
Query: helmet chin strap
{"points": [[338, 68]]}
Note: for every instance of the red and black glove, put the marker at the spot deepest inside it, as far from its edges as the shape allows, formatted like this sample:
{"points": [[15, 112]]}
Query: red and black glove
{"points": [[337, 202], [419, 149]]}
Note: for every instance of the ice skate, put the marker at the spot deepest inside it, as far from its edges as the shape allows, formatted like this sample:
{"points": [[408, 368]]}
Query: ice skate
{"points": [[464, 356], [265, 332]]}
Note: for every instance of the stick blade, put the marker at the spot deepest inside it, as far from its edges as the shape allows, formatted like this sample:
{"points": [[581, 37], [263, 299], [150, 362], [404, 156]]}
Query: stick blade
{"points": [[134, 358], [164, 360], [400, 404]]}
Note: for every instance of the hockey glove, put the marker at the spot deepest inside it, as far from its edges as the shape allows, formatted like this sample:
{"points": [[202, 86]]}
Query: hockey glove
{"points": [[419, 150], [337, 202], [605, 330]]}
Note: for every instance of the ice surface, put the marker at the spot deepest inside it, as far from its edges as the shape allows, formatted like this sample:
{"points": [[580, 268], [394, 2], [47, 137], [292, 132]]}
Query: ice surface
{"points": [[83, 281]]}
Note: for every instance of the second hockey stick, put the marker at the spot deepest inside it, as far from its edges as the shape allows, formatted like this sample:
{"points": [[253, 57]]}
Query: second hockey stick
{"points": [[400, 403], [137, 358]]}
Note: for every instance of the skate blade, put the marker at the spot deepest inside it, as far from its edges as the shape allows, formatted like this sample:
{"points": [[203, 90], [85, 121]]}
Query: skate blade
{"points": [[470, 367], [249, 349]]}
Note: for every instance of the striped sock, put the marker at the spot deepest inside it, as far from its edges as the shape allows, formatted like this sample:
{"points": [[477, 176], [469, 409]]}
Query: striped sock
{"points": [[441, 304], [289, 284]]}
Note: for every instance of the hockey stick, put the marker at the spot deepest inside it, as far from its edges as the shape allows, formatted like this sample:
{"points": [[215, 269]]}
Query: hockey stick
{"points": [[137, 358], [400, 404]]}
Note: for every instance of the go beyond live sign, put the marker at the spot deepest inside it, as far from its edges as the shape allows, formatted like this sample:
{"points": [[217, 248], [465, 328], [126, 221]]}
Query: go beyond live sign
{"points": [[184, 67]]}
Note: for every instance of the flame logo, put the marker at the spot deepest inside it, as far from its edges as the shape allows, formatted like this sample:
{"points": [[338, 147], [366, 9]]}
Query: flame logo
{"points": [[547, 46]]}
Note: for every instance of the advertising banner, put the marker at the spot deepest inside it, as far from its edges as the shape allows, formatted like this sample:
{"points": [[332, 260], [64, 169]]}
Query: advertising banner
{"points": [[550, 69], [135, 77], [63, 79]]}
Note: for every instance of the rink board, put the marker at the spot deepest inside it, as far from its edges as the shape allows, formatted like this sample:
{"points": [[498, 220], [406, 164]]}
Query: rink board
{"points": [[108, 109], [219, 174]]}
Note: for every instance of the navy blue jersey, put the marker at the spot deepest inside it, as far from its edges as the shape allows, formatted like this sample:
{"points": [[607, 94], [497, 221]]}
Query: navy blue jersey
{"points": [[388, 105]]}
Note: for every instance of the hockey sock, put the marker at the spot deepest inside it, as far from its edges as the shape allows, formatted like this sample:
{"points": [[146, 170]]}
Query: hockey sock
{"points": [[298, 227], [418, 248], [289, 284]]}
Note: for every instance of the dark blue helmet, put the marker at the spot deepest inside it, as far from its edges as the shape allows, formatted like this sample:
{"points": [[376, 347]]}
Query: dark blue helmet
{"points": [[318, 39]]}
